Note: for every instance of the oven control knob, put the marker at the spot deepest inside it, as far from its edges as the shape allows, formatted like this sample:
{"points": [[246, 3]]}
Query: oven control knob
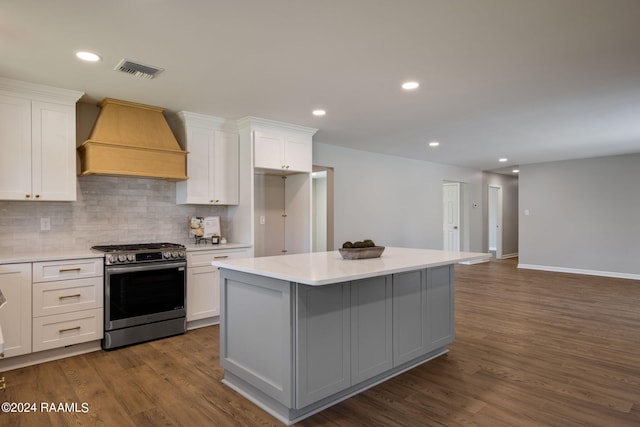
{"points": [[174, 254], [182, 254], [111, 259], [166, 255], [122, 258], [131, 257]]}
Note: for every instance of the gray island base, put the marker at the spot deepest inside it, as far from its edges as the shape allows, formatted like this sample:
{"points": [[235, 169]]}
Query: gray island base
{"points": [[302, 332]]}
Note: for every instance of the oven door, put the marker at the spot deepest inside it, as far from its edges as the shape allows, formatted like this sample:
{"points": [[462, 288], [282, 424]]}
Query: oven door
{"points": [[139, 294]]}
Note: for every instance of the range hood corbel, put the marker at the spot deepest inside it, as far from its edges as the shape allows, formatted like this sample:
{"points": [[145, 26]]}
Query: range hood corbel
{"points": [[130, 139]]}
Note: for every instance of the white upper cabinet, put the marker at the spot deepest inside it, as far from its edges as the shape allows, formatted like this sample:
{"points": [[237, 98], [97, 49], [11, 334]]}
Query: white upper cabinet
{"points": [[212, 161], [278, 146], [37, 142], [284, 152]]}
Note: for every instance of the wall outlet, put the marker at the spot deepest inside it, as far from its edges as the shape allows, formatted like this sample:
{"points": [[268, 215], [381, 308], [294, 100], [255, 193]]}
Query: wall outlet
{"points": [[45, 224]]}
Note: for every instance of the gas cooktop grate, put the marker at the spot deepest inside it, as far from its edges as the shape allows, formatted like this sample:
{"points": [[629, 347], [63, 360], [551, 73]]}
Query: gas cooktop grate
{"points": [[137, 247]]}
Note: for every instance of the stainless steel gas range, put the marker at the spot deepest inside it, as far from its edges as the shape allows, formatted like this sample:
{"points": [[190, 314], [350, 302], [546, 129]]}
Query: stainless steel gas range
{"points": [[144, 292]]}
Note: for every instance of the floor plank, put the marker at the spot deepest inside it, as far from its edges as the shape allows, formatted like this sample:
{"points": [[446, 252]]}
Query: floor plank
{"points": [[532, 349]]}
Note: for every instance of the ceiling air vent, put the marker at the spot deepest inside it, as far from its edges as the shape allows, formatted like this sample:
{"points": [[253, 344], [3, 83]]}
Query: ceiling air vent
{"points": [[137, 69]]}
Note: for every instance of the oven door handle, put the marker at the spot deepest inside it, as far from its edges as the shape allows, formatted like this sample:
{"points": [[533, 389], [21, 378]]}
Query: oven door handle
{"points": [[142, 267]]}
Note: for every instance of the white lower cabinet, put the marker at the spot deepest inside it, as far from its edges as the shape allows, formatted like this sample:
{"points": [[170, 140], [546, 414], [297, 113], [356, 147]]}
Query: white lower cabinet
{"points": [[203, 284], [64, 329], [68, 299], [15, 314]]}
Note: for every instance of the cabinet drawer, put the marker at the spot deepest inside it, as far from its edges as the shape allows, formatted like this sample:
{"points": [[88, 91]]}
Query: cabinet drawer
{"points": [[71, 269], [67, 296], [65, 329], [204, 258]]}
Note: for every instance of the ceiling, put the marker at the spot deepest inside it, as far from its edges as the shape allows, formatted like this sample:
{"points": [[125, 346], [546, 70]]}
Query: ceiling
{"points": [[529, 80]]}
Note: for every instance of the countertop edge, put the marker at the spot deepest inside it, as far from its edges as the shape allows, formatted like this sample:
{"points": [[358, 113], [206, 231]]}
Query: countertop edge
{"points": [[348, 277], [192, 247], [48, 256], [70, 254]]}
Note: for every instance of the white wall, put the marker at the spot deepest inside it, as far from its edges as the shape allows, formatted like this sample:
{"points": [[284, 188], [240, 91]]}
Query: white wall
{"points": [[584, 215], [396, 201]]}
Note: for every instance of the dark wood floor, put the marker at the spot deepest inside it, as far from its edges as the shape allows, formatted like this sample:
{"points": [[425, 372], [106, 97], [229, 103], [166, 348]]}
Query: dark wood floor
{"points": [[532, 349]]}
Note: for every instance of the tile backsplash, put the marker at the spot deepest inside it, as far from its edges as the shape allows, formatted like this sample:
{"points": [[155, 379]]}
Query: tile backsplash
{"points": [[109, 210]]}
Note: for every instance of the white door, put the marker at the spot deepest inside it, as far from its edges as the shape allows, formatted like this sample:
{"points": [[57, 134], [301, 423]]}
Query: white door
{"points": [[451, 216]]}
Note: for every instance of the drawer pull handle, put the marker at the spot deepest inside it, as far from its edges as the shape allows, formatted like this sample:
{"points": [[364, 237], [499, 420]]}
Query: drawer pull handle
{"points": [[66, 270], [69, 296], [62, 331], [221, 257]]}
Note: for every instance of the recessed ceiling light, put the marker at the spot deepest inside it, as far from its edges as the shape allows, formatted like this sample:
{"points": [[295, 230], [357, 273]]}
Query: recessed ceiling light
{"points": [[319, 112], [87, 56], [410, 85], [434, 144], [503, 159], [515, 170]]}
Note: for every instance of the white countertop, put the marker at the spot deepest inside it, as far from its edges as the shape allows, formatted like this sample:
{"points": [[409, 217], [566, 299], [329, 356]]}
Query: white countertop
{"points": [[323, 268], [10, 257], [37, 256]]}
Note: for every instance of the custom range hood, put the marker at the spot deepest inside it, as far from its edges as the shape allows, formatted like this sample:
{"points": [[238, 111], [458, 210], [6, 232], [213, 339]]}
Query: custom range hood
{"points": [[132, 140]]}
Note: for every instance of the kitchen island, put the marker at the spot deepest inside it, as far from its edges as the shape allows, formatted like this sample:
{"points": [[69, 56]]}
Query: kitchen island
{"points": [[302, 332]]}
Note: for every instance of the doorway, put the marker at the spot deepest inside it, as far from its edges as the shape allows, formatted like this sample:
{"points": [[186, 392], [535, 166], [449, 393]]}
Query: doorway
{"points": [[495, 221], [322, 209]]}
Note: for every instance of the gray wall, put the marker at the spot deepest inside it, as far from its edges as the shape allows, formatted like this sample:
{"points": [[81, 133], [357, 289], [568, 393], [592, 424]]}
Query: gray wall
{"points": [[509, 186], [583, 214], [396, 201]]}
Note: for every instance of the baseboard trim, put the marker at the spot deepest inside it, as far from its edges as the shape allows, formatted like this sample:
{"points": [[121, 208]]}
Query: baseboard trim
{"points": [[476, 261], [21, 361], [580, 271], [505, 256]]}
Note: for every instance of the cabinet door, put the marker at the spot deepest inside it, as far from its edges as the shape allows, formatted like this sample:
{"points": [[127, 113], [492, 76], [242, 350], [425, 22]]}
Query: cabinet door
{"points": [[440, 297], [268, 151], [198, 188], [203, 293], [15, 315], [225, 168], [410, 331], [371, 327], [15, 148], [323, 342], [53, 151], [298, 154]]}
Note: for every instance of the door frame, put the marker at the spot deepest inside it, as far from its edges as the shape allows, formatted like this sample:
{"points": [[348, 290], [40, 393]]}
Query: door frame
{"points": [[329, 206], [497, 212]]}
